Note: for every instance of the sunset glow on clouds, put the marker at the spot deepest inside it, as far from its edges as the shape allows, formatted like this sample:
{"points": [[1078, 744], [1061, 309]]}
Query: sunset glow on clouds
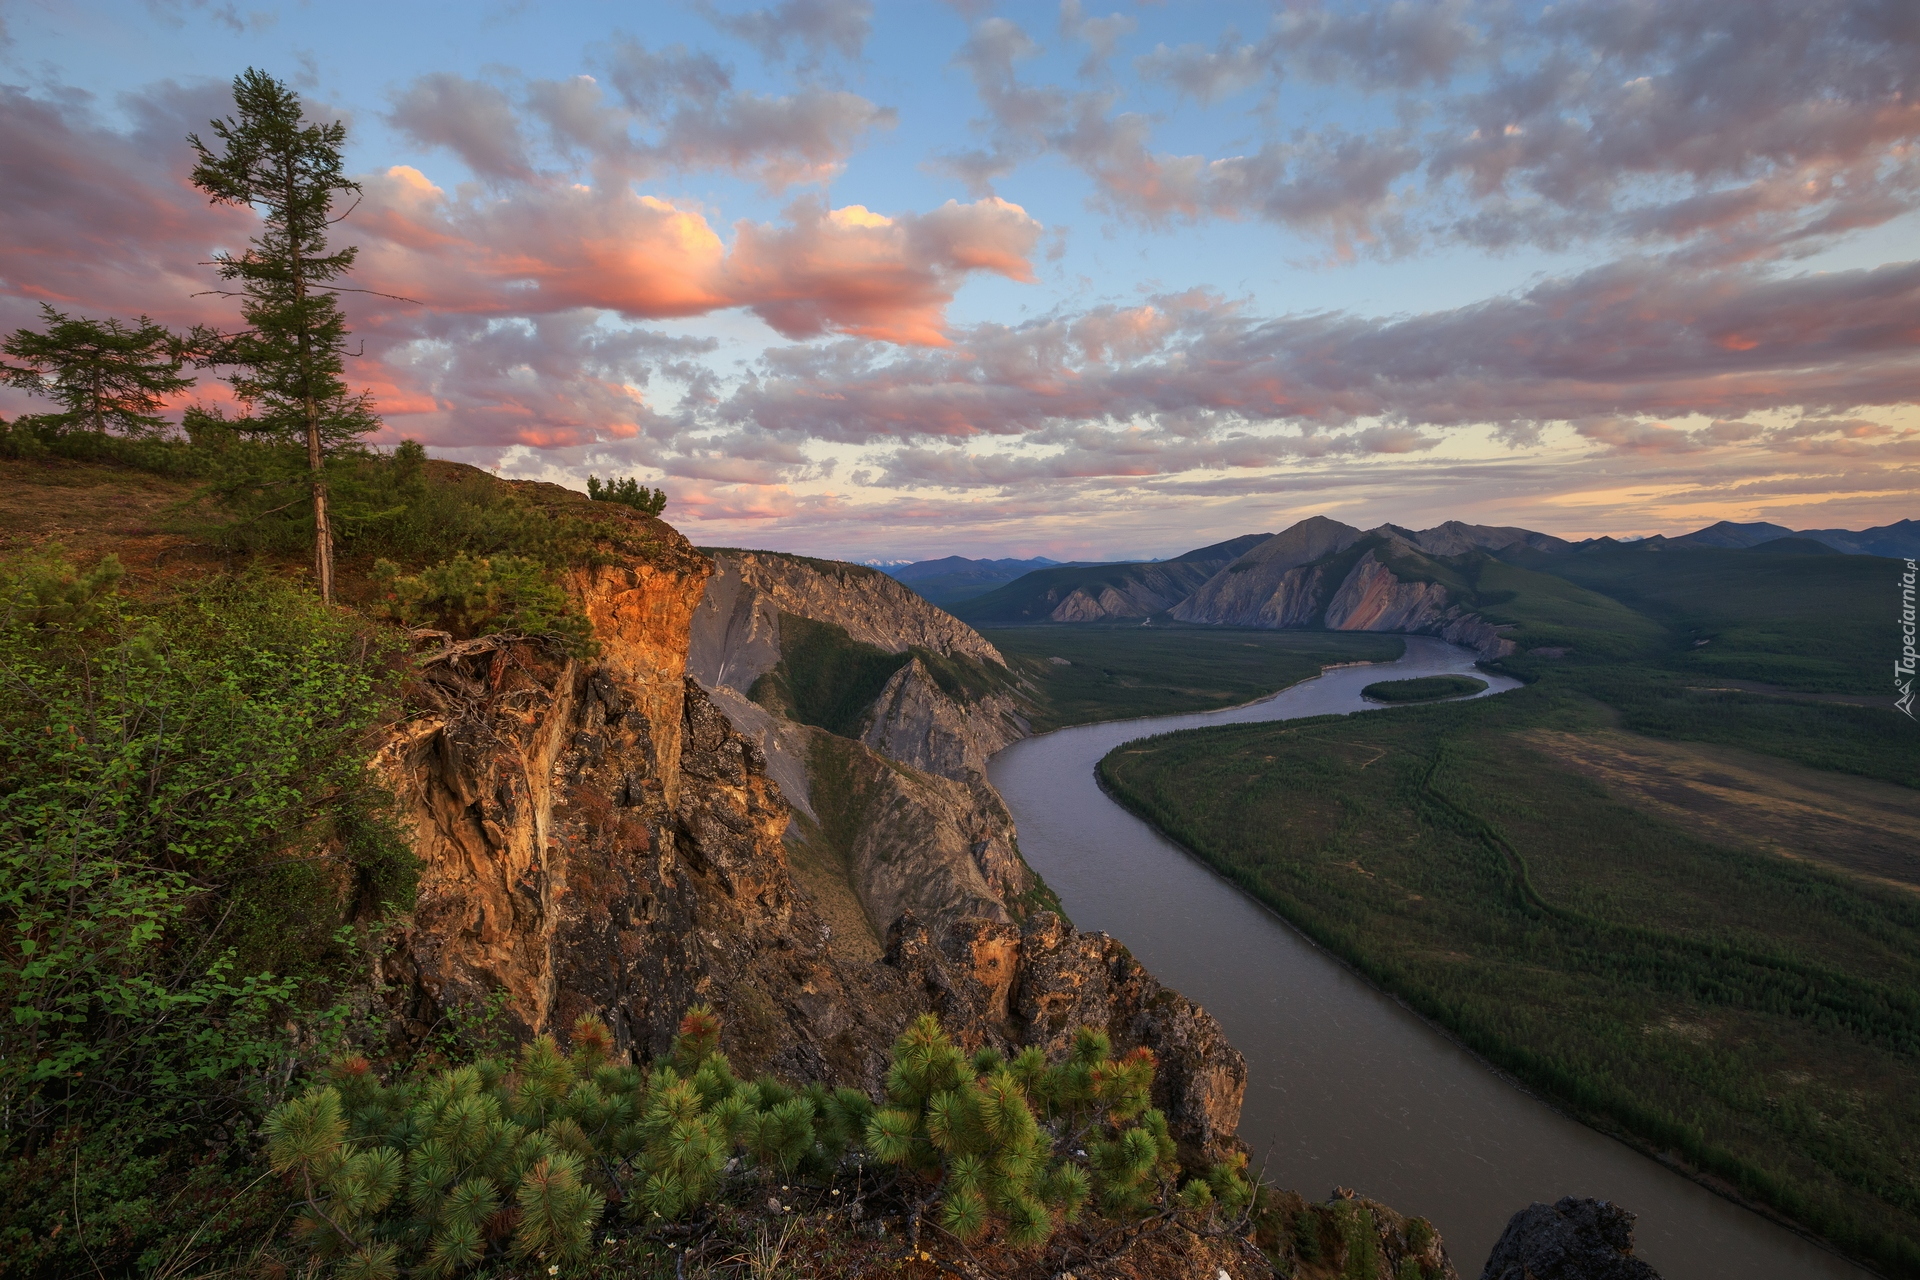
{"points": [[906, 281]]}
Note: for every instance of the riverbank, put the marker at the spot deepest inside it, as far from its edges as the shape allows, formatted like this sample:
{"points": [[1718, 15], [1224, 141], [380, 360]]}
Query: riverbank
{"points": [[1346, 1086], [1716, 1004]]}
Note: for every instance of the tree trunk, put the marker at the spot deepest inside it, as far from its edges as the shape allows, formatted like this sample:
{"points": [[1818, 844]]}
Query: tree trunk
{"points": [[322, 530]]}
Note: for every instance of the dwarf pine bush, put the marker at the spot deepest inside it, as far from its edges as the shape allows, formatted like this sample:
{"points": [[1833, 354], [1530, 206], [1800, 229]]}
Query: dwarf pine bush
{"points": [[496, 1161], [471, 596], [521, 1160], [976, 1124]]}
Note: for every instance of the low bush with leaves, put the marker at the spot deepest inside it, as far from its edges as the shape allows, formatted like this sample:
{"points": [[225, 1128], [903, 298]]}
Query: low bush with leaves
{"points": [[499, 1161], [186, 825], [468, 596]]}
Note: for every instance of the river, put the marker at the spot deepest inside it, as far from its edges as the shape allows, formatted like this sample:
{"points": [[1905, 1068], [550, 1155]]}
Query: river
{"points": [[1345, 1087]]}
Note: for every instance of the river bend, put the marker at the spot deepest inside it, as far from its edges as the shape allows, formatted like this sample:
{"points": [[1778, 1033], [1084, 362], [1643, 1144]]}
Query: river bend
{"points": [[1346, 1087]]}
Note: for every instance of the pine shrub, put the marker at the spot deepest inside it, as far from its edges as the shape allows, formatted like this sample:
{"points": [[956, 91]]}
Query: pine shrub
{"points": [[499, 1161], [472, 596]]}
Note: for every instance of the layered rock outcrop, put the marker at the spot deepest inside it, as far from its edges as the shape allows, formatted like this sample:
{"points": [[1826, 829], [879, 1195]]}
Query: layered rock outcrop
{"points": [[1307, 576], [1373, 599], [1134, 591], [918, 723]]}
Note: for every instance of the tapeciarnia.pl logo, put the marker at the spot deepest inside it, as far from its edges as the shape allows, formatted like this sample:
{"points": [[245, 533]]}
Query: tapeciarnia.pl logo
{"points": [[1903, 665]]}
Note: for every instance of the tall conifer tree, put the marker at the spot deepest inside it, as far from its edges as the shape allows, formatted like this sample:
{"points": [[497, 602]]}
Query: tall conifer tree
{"points": [[289, 358]]}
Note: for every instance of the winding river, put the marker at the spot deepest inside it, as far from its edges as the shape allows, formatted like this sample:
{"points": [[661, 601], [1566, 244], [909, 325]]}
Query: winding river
{"points": [[1346, 1087]]}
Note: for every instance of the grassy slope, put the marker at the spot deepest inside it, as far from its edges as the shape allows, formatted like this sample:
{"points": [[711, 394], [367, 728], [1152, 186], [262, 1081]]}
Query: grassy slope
{"points": [[1811, 622], [1759, 1015], [1118, 673]]}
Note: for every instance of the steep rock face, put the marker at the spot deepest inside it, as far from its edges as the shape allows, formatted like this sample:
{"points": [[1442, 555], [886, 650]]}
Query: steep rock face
{"points": [[735, 636], [1140, 591], [934, 837], [1575, 1239], [1263, 588], [874, 608], [916, 842], [1476, 633], [917, 723], [1373, 599]]}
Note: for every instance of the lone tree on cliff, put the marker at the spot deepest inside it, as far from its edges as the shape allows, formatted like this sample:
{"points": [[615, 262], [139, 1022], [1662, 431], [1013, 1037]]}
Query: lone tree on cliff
{"points": [[289, 357], [107, 376]]}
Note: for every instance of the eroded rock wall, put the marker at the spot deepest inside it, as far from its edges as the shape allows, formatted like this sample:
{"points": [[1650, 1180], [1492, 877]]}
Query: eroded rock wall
{"points": [[918, 723], [874, 608], [597, 837]]}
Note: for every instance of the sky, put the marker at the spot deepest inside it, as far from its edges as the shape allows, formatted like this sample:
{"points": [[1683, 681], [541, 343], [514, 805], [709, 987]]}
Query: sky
{"points": [[1088, 279]]}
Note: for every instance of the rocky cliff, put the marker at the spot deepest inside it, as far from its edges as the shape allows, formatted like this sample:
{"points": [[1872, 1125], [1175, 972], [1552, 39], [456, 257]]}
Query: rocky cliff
{"points": [[597, 836], [911, 820], [1320, 572], [874, 608]]}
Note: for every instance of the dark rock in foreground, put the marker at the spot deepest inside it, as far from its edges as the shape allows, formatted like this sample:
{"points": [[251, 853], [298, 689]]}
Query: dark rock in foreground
{"points": [[1572, 1240]]}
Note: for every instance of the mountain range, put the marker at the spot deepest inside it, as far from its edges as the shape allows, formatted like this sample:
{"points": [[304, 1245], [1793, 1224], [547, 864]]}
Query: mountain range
{"points": [[1450, 580], [1012, 591], [951, 579]]}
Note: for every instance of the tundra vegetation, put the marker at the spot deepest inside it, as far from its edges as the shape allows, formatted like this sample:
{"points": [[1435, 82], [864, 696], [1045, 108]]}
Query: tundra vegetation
{"points": [[1724, 972]]}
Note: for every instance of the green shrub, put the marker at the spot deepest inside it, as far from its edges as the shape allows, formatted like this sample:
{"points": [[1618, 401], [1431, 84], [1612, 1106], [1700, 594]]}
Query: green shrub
{"points": [[1362, 1244], [972, 1123], [1306, 1235], [486, 596], [186, 823]]}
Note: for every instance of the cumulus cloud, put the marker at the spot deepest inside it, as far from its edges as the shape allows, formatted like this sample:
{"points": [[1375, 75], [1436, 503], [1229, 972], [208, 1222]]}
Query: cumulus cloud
{"points": [[473, 120], [507, 343], [553, 248], [104, 221]]}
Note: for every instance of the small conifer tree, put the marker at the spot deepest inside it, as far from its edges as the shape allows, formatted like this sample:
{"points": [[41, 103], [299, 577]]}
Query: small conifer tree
{"points": [[106, 376], [628, 492]]}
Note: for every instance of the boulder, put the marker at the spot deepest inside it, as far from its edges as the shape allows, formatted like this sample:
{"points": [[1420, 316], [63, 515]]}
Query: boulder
{"points": [[1575, 1239]]}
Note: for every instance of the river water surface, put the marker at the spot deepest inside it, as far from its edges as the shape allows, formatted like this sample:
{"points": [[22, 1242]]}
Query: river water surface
{"points": [[1345, 1087]]}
